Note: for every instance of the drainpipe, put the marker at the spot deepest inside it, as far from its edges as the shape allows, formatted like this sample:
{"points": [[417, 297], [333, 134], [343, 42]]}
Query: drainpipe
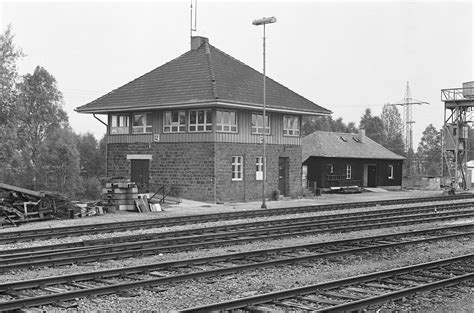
{"points": [[106, 145]]}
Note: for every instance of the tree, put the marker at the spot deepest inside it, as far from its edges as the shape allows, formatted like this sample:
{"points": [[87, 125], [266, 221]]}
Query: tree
{"points": [[59, 163], [392, 129], [40, 114], [373, 126], [326, 123], [8, 124], [92, 161], [428, 155]]}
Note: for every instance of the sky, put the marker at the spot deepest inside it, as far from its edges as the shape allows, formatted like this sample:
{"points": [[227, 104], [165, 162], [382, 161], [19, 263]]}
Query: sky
{"points": [[346, 56]]}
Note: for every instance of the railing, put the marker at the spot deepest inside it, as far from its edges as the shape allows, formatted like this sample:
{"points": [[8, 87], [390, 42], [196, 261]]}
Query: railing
{"points": [[457, 94]]}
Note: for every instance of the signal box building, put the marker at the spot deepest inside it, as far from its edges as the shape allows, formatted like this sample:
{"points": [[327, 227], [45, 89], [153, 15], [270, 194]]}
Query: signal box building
{"points": [[333, 159], [196, 124]]}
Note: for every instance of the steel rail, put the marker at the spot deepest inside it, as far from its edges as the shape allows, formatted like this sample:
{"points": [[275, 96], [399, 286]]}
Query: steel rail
{"points": [[270, 259], [58, 232], [247, 225], [153, 247], [278, 298], [339, 218]]}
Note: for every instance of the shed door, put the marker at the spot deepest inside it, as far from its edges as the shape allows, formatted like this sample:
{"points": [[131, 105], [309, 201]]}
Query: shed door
{"points": [[140, 174], [282, 175], [371, 176]]}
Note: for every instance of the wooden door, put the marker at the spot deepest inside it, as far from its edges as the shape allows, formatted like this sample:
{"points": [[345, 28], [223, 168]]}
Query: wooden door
{"points": [[283, 175], [371, 176], [140, 175]]}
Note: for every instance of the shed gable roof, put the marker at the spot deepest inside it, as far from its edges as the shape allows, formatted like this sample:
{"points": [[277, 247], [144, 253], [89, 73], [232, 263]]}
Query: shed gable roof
{"points": [[205, 74], [344, 145]]}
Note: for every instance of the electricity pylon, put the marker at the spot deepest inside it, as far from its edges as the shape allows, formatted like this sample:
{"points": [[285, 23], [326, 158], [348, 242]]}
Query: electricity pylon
{"points": [[407, 124]]}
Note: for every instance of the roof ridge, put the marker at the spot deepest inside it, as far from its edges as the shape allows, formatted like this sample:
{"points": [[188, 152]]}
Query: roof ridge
{"points": [[266, 76], [207, 52]]}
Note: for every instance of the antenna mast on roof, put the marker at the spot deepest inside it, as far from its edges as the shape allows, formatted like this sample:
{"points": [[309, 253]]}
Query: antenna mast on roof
{"points": [[191, 28]]}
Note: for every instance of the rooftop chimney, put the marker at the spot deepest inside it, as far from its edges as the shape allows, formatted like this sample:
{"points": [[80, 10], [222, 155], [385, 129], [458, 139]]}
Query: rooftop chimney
{"points": [[361, 135], [197, 41]]}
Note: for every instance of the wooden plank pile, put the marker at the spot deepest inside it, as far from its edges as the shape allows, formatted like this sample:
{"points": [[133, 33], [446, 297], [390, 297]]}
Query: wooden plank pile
{"points": [[20, 205]]}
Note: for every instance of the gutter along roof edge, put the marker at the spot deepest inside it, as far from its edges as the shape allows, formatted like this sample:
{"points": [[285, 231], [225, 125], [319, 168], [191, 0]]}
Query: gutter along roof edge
{"points": [[195, 104]]}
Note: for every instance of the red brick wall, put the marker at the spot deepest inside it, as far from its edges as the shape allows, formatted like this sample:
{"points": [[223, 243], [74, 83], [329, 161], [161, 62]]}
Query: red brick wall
{"points": [[190, 167], [187, 166], [249, 188]]}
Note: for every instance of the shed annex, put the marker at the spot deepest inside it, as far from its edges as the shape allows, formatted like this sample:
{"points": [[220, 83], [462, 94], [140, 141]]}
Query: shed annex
{"points": [[196, 124], [332, 159]]}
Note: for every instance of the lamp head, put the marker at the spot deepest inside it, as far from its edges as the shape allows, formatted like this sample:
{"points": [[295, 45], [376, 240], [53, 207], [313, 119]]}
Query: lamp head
{"points": [[264, 20]]}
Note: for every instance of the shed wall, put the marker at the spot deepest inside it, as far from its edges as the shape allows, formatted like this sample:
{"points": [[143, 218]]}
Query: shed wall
{"points": [[318, 170]]}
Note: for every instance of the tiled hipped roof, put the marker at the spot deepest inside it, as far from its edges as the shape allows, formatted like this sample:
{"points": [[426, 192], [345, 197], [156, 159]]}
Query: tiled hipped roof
{"points": [[204, 74], [344, 145]]}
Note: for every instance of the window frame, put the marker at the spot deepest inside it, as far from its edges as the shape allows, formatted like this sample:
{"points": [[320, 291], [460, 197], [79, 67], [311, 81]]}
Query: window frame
{"points": [[220, 122], [205, 125], [256, 130], [147, 128], [119, 130], [180, 128], [390, 172], [237, 168], [292, 132], [259, 165], [348, 171]]}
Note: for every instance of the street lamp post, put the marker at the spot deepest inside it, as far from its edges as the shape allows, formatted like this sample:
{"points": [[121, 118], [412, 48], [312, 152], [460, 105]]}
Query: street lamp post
{"points": [[264, 21]]}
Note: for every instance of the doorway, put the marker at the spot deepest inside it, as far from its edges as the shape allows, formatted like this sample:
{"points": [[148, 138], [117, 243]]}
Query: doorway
{"points": [[140, 174], [371, 176], [283, 176]]}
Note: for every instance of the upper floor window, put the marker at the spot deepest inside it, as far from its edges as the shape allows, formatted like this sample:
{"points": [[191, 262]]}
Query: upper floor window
{"points": [[390, 172], [257, 124], [348, 171], [291, 125], [226, 121], [141, 123], [120, 124], [174, 121], [200, 120]]}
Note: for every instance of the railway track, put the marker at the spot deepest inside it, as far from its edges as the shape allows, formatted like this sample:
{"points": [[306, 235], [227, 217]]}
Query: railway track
{"points": [[185, 240], [50, 290], [358, 292], [77, 230]]}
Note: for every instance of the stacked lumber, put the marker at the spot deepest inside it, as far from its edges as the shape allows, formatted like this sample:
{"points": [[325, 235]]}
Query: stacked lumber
{"points": [[20, 205], [121, 194]]}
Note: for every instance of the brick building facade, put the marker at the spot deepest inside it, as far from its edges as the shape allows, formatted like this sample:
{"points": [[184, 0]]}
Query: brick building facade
{"points": [[196, 124]]}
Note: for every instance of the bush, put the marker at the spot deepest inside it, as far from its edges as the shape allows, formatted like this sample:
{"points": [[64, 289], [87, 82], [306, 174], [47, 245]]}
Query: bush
{"points": [[275, 195]]}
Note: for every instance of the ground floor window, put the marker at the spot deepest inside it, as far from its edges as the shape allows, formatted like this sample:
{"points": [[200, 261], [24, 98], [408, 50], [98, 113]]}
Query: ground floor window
{"points": [[237, 168], [331, 168], [348, 171], [259, 168], [390, 172]]}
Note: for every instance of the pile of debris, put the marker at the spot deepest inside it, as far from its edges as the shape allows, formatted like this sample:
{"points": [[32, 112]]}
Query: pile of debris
{"points": [[20, 205]]}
